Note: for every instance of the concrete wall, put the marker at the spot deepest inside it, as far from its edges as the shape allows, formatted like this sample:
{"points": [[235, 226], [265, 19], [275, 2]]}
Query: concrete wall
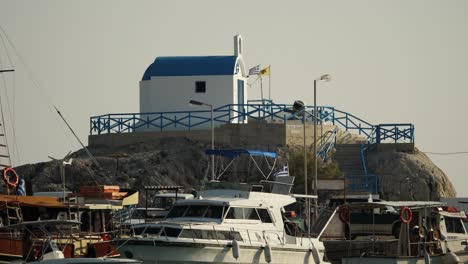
{"points": [[238, 135], [330, 184], [295, 132], [254, 133], [401, 147]]}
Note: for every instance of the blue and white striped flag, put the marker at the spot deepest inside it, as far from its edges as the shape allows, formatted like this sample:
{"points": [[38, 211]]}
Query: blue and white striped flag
{"points": [[254, 70], [282, 172]]}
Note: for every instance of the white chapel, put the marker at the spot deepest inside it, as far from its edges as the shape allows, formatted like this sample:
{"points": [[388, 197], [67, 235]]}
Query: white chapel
{"points": [[170, 82]]}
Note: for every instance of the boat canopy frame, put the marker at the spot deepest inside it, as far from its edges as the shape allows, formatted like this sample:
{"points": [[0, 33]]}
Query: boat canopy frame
{"points": [[233, 154]]}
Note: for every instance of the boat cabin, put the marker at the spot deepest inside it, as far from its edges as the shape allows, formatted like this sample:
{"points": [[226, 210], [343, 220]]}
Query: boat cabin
{"points": [[381, 231]]}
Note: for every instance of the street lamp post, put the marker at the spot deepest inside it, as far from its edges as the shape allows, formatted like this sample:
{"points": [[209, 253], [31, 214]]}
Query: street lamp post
{"points": [[193, 102], [299, 109], [324, 78]]}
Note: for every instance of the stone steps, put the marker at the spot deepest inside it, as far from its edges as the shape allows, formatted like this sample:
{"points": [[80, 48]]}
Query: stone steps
{"points": [[348, 157]]}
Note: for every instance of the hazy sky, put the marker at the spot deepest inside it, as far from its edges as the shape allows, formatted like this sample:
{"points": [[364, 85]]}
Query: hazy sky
{"points": [[391, 61]]}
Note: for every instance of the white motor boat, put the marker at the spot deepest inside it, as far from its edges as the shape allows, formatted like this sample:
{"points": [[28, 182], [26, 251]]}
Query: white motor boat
{"points": [[226, 226]]}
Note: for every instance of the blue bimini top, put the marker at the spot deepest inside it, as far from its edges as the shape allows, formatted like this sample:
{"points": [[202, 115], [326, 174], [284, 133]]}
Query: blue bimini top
{"points": [[233, 153]]}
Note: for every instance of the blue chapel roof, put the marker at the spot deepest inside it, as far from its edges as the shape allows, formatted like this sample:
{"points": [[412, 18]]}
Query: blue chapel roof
{"points": [[191, 66]]}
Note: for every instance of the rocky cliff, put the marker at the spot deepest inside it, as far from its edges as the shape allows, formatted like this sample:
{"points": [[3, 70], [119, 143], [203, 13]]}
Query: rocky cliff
{"points": [[180, 161], [408, 176]]}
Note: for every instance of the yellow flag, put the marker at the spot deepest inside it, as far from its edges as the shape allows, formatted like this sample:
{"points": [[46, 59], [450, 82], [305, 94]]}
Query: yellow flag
{"points": [[264, 72]]}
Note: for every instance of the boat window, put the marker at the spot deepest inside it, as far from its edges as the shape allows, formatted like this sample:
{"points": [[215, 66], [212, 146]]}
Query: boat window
{"points": [[235, 213], [171, 232], [264, 215], [139, 230], [454, 225], [196, 211], [163, 202], [138, 214], [210, 234], [214, 212], [153, 230], [146, 230], [251, 214], [207, 211], [177, 211]]}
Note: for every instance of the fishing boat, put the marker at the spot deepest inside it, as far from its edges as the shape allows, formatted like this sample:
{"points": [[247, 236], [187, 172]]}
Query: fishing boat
{"points": [[228, 223], [42, 246], [92, 237], [396, 232]]}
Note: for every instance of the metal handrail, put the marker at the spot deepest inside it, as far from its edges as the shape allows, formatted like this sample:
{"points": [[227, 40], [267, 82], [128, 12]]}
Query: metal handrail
{"points": [[238, 113], [328, 144]]}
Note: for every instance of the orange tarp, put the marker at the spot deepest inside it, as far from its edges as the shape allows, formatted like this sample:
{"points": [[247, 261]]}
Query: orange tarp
{"points": [[31, 201], [103, 191], [100, 189]]}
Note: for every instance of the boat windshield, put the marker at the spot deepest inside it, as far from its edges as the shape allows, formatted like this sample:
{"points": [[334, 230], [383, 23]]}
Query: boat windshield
{"points": [[163, 202], [196, 211], [245, 213]]}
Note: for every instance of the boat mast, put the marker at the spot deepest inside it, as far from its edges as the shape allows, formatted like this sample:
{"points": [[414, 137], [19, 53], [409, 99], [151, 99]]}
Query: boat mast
{"points": [[5, 158]]}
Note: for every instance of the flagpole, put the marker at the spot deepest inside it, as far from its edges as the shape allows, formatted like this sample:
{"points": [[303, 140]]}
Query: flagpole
{"points": [[261, 88], [269, 83]]}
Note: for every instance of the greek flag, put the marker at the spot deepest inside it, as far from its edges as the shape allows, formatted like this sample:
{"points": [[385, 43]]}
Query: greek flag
{"points": [[21, 189], [282, 172], [254, 70]]}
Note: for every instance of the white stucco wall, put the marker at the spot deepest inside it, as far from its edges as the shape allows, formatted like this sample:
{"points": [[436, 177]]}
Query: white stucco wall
{"points": [[172, 93]]}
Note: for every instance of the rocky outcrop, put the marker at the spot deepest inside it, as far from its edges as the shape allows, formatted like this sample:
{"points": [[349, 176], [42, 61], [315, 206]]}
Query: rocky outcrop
{"points": [[169, 161], [409, 176], [181, 161]]}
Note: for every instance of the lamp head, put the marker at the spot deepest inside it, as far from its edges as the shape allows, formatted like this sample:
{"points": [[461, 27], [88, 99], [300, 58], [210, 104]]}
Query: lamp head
{"points": [[324, 78], [298, 105], [193, 102]]}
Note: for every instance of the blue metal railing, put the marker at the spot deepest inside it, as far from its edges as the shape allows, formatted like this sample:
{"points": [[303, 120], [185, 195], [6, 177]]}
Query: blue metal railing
{"points": [[327, 144], [363, 183], [237, 113], [363, 150], [382, 132]]}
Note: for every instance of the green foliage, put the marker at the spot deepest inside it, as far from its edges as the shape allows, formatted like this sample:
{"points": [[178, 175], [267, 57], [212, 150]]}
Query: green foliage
{"points": [[326, 170]]}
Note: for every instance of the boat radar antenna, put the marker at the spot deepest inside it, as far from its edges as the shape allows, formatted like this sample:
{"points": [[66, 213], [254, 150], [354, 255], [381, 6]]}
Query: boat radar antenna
{"points": [[93, 159]]}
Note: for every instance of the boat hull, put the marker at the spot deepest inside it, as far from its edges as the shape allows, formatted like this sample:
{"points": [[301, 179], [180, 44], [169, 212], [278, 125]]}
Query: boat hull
{"points": [[442, 259], [177, 252]]}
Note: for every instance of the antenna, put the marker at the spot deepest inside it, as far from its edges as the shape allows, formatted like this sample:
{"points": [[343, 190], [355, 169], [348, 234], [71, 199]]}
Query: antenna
{"points": [[77, 138]]}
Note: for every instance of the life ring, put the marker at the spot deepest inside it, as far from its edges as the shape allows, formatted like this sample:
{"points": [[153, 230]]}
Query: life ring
{"points": [[6, 178], [434, 234], [343, 214], [106, 237], [406, 215]]}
